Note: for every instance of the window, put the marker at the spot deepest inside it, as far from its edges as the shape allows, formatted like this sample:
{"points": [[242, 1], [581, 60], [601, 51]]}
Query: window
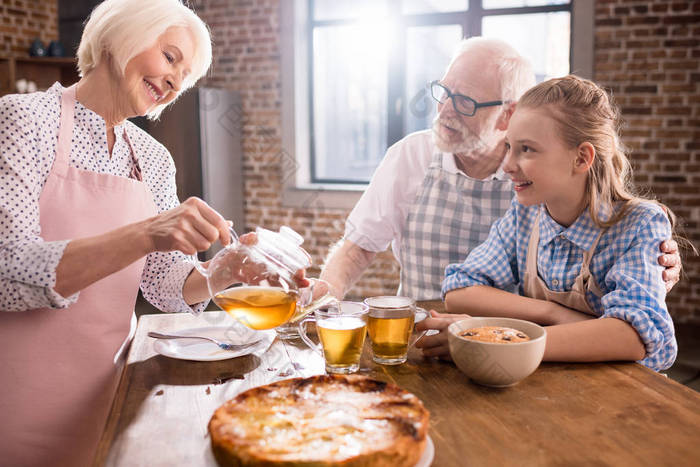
{"points": [[361, 70]]}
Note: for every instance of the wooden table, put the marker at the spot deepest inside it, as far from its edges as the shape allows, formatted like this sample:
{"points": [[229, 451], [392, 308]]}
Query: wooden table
{"points": [[563, 414]]}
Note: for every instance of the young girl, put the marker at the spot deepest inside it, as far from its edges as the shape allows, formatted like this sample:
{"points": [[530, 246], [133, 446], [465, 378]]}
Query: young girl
{"points": [[581, 245]]}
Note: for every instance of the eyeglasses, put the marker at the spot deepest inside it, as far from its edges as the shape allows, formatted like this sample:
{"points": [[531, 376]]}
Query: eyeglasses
{"points": [[464, 105]]}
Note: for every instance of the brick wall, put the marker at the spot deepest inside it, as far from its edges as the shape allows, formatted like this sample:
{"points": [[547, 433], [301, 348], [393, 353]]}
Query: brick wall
{"points": [[21, 21], [648, 54]]}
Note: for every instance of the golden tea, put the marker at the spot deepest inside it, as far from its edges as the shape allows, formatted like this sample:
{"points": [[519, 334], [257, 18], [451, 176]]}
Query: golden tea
{"points": [[258, 307], [390, 333], [342, 338]]}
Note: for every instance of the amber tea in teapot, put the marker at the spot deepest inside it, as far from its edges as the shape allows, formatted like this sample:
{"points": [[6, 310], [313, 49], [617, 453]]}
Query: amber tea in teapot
{"points": [[255, 283], [258, 307]]}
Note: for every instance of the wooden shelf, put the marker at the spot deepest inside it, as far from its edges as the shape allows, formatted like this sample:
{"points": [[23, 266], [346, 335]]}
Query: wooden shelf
{"points": [[44, 71]]}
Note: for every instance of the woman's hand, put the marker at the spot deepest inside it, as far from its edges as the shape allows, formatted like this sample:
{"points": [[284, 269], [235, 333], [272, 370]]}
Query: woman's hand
{"points": [[435, 345], [191, 227]]}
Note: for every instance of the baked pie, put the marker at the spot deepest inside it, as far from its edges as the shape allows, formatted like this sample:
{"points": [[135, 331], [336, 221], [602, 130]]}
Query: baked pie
{"points": [[326, 420]]}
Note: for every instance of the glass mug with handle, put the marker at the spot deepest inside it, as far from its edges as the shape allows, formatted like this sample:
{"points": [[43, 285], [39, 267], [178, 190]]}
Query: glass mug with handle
{"points": [[255, 283], [341, 330], [290, 329], [390, 327]]}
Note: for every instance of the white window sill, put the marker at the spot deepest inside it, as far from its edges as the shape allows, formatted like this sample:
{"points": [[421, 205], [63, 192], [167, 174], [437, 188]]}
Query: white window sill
{"points": [[320, 196]]}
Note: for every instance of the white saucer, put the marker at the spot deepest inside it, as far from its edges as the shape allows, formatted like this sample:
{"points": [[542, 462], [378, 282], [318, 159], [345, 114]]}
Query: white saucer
{"points": [[428, 453], [204, 351], [425, 460]]}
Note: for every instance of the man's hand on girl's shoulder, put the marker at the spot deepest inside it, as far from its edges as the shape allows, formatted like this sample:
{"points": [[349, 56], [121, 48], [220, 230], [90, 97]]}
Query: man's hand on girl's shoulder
{"points": [[671, 260]]}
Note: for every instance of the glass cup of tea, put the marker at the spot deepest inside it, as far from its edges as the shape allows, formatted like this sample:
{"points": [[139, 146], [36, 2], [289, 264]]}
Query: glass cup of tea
{"points": [[290, 329], [255, 282], [390, 326], [341, 331]]}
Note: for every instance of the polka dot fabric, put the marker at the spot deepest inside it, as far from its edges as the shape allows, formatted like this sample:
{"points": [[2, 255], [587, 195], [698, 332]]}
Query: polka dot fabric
{"points": [[28, 136]]}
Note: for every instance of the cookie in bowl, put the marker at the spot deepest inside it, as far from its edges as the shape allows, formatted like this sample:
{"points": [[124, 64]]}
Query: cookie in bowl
{"points": [[326, 420], [495, 334], [491, 352]]}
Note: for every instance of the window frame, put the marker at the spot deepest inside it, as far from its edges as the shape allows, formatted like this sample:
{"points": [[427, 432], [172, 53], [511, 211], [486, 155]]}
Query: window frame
{"points": [[300, 187]]}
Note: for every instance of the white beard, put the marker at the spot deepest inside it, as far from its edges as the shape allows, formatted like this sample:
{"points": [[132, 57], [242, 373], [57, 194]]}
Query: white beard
{"points": [[468, 143]]}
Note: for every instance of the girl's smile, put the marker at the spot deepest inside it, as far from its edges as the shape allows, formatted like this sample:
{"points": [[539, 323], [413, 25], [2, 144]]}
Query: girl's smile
{"points": [[543, 169], [519, 186]]}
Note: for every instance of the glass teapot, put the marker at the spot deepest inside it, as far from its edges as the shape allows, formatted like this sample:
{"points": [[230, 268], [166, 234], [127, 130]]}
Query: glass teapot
{"points": [[255, 283]]}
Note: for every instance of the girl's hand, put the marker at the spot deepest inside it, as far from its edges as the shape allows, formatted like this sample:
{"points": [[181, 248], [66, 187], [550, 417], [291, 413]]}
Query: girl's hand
{"points": [[191, 227], [559, 314], [435, 345]]}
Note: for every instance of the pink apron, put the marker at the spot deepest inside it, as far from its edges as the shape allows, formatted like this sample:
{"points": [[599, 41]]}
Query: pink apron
{"points": [[60, 368], [534, 287]]}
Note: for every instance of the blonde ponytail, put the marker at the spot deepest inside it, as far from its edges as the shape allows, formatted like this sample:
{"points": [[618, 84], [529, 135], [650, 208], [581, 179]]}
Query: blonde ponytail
{"points": [[584, 113]]}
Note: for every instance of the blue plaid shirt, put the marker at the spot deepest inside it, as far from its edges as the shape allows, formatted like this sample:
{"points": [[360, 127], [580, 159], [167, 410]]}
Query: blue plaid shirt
{"points": [[624, 265]]}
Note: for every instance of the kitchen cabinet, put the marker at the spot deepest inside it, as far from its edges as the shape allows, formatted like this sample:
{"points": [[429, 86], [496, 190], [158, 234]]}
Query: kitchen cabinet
{"points": [[44, 71]]}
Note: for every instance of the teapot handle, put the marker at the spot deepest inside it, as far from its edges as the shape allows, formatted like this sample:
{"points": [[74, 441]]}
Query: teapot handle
{"points": [[193, 260]]}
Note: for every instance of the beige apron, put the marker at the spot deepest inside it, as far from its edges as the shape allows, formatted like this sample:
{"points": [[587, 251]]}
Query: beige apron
{"points": [[534, 287], [59, 368]]}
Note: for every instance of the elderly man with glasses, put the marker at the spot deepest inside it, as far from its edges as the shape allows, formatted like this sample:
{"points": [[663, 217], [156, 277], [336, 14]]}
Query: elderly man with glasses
{"points": [[436, 192]]}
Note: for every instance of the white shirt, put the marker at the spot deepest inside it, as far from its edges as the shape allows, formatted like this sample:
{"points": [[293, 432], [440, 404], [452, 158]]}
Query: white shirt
{"points": [[379, 217], [28, 137]]}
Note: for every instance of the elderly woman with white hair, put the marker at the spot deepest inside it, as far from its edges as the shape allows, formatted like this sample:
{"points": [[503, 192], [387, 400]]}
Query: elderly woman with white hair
{"points": [[88, 213]]}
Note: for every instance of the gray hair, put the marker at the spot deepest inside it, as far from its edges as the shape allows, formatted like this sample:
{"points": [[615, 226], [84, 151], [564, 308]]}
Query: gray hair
{"points": [[515, 72], [125, 28]]}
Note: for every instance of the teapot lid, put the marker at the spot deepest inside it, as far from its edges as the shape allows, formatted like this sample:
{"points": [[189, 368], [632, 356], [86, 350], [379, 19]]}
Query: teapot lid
{"points": [[283, 248]]}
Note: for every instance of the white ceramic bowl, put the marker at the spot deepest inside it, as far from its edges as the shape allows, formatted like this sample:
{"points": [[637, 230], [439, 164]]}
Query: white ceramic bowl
{"points": [[493, 364]]}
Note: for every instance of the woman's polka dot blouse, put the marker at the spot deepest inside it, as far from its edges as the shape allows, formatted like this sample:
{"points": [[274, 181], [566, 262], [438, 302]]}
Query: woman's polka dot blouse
{"points": [[28, 136]]}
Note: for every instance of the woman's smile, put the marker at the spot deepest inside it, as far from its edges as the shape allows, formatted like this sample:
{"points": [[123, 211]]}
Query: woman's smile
{"points": [[154, 77], [153, 91]]}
